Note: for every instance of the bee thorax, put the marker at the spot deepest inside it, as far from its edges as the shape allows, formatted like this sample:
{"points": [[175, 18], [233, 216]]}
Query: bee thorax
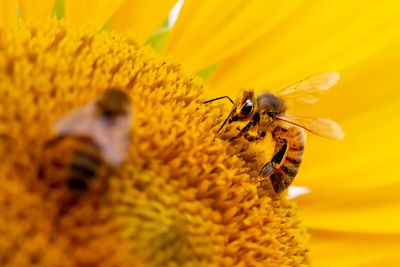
{"points": [[270, 103]]}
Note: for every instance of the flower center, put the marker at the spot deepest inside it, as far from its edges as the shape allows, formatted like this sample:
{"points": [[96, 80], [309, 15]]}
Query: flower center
{"points": [[183, 196]]}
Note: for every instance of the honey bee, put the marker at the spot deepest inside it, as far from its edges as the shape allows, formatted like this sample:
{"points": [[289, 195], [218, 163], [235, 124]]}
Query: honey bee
{"points": [[266, 113], [90, 141]]}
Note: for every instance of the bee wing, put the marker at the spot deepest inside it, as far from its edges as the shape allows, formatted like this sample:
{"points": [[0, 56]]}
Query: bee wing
{"points": [[311, 88], [76, 122], [322, 127], [113, 137]]}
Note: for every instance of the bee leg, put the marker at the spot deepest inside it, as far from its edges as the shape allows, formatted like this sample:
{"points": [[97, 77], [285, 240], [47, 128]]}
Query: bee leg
{"points": [[244, 130], [276, 160]]}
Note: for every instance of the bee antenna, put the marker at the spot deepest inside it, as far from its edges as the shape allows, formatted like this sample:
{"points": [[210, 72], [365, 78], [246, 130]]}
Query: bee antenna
{"points": [[218, 98], [226, 120]]}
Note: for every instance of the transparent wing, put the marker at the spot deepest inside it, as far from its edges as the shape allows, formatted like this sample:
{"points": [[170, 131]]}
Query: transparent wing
{"points": [[113, 137], [310, 89], [76, 122], [322, 127]]}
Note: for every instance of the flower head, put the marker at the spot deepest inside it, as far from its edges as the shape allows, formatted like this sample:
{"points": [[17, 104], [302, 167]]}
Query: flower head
{"points": [[183, 195]]}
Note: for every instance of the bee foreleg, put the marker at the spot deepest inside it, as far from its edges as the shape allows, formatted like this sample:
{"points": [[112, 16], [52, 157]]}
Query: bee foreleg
{"points": [[244, 130]]}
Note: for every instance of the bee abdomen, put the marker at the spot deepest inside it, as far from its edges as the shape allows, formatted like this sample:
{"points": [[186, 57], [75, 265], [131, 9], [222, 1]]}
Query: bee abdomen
{"points": [[80, 175], [293, 161], [73, 161], [85, 165], [290, 170], [281, 180], [283, 176]]}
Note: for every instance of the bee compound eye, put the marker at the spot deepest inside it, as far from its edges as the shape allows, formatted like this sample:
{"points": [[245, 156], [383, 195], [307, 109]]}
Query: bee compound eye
{"points": [[247, 108]]}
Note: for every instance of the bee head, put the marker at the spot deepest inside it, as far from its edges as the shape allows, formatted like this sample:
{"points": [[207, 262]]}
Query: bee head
{"points": [[113, 103], [245, 107]]}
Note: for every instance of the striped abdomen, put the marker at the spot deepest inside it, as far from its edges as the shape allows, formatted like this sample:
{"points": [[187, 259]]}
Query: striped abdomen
{"points": [[72, 161], [284, 173]]}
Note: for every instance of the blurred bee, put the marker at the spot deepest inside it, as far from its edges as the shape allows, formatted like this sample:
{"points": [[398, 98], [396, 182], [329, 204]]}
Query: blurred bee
{"points": [[266, 113], [90, 142]]}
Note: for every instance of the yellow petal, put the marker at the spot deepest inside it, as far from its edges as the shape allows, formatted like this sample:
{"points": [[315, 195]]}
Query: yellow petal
{"points": [[38, 10], [141, 17], [8, 12], [208, 31], [354, 249], [355, 182], [93, 12], [369, 83], [320, 36]]}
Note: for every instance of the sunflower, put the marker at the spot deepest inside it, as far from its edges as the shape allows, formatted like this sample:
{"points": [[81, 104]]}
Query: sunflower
{"points": [[215, 213]]}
